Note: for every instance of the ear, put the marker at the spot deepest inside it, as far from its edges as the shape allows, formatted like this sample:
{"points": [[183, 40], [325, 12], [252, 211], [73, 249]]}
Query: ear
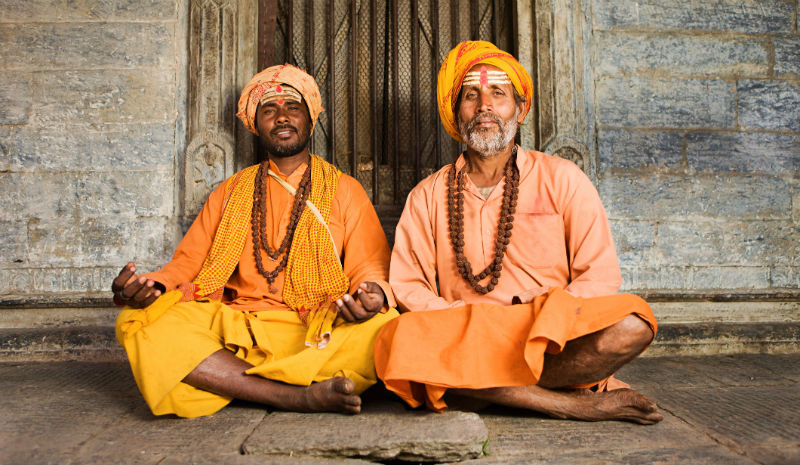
{"points": [[521, 114]]}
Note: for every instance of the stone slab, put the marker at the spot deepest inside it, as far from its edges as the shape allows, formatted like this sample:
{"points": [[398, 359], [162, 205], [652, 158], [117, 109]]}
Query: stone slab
{"points": [[665, 102], [747, 16], [530, 438], [87, 10], [787, 56], [385, 430], [663, 197], [725, 338], [623, 149], [74, 45], [760, 422], [773, 105], [743, 152], [681, 55]]}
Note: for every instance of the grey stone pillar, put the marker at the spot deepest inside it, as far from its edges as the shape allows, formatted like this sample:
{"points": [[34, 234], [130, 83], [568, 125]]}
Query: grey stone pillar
{"points": [[551, 36], [222, 58]]}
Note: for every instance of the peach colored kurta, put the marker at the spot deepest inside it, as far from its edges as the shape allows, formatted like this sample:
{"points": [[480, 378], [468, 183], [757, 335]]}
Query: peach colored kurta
{"points": [[560, 269], [561, 238], [353, 223]]}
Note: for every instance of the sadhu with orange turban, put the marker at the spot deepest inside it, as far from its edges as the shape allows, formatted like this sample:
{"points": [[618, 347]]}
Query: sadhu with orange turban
{"points": [[279, 287], [513, 250]]}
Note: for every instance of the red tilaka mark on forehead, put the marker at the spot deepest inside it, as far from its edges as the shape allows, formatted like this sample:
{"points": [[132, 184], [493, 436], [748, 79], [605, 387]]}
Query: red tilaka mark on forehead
{"points": [[280, 102], [484, 76], [278, 89]]}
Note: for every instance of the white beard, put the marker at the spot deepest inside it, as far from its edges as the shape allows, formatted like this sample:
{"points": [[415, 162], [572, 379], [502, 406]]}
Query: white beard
{"points": [[489, 144]]}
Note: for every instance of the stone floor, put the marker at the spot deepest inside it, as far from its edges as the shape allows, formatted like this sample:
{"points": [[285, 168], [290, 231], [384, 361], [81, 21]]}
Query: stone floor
{"points": [[731, 409]]}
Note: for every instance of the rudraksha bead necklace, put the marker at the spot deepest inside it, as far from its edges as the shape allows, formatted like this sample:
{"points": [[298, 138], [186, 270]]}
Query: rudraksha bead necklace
{"points": [[455, 217], [258, 221]]}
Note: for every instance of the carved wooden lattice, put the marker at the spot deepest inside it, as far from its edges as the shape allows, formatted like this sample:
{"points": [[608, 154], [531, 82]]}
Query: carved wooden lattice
{"points": [[376, 63]]}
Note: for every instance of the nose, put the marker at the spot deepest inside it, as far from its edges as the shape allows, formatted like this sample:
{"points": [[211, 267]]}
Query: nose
{"points": [[281, 116], [485, 102]]}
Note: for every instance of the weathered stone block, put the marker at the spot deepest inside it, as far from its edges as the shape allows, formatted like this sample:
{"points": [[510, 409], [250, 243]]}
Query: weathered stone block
{"points": [[13, 242], [672, 103], [670, 54], [787, 55], [703, 243], [75, 45], [769, 105], [113, 147], [87, 10], [656, 277], [633, 240], [748, 16], [126, 194], [785, 276], [5, 148], [71, 279], [40, 195], [387, 434], [624, 149], [105, 96], [54, 242], [747, 152], [15, 280], [109, 241], [731, 277], [663, 197], [15, 101]]}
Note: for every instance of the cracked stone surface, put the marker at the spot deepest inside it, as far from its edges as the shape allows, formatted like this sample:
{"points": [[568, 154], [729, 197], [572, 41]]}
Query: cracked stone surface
{"points": [[385, 430]]}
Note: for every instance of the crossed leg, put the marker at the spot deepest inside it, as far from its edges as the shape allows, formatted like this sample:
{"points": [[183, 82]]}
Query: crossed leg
{"points": [[584, 360], [223, 373]]}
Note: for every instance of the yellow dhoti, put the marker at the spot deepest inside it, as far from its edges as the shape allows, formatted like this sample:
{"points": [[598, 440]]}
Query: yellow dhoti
{"points": [[166, 341]]}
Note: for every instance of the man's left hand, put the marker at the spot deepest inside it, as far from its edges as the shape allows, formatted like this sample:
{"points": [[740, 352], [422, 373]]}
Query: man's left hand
{"points": [[363, 305]]}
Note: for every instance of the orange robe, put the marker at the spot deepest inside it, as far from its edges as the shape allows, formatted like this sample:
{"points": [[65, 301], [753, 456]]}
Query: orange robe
{"points": [[168, 339], [560, 240], [354, 225]]}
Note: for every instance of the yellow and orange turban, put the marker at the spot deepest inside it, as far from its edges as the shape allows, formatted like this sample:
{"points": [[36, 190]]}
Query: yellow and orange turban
{"points": [[269, 78], [460, 60]]}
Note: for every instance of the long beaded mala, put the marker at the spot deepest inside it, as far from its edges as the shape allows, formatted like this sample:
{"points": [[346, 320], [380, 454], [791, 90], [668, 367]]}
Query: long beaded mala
{"points": [[455, 216], [258, 222]]}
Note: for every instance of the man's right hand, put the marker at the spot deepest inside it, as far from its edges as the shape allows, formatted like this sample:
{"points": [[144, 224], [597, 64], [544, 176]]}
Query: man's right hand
{"points": [[134, 291]]}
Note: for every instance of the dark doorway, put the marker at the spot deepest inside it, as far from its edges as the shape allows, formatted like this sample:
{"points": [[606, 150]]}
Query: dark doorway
{"points": [[376, 62]]}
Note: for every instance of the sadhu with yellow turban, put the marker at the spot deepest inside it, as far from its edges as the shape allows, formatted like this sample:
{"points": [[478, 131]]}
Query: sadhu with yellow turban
{"points": [[513, 250], [279, 287]]}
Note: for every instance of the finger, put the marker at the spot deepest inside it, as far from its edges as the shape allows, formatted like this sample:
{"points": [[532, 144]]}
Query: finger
{"points": [[370, 302], [370, 287], [124, 276], [151, 298], [356, 309], [132, 288], [344, 311], [144, 292]]}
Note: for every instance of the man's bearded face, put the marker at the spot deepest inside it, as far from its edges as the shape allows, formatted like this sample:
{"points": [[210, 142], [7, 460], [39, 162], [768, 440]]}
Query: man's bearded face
{"points": [[488, 141], [284, 127]]}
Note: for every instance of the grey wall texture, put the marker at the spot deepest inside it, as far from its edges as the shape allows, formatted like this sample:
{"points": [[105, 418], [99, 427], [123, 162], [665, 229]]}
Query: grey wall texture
{"points": [[698, 117], [91, 122], [697, 108]]}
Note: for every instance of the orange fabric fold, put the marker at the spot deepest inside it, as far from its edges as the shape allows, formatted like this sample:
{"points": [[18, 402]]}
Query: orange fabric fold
{"points": [[422, 354]]}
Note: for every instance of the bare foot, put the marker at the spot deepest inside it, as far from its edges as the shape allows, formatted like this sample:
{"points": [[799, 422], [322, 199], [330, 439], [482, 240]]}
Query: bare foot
{"points": [[332, 395], [619, 404]]}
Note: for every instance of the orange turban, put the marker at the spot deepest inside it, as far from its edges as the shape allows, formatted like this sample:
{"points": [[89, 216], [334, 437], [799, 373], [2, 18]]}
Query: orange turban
{"points": [[460, 60], [270, 77]]}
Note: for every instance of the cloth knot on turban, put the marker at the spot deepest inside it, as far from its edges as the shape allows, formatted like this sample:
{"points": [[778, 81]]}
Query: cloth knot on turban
{"points": [[268, 80], [460, 60]]}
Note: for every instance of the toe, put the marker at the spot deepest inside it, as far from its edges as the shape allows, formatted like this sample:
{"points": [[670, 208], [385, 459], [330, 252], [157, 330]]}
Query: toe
{"points": [[343, 385]]}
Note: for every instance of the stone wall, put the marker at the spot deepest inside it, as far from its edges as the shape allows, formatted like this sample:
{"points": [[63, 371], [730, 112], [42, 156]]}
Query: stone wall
{"points": [[697, 109], [92, 120]]}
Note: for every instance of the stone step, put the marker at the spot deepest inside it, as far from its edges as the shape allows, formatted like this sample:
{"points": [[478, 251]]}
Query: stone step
{"points": [[98, 343]]}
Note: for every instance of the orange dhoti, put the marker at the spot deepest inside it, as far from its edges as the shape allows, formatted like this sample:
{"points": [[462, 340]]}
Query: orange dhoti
{"points": [[420, 355]]}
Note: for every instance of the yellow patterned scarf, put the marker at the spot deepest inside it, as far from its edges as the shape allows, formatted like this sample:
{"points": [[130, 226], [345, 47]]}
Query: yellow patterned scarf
{"points": [[314, 276]]}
